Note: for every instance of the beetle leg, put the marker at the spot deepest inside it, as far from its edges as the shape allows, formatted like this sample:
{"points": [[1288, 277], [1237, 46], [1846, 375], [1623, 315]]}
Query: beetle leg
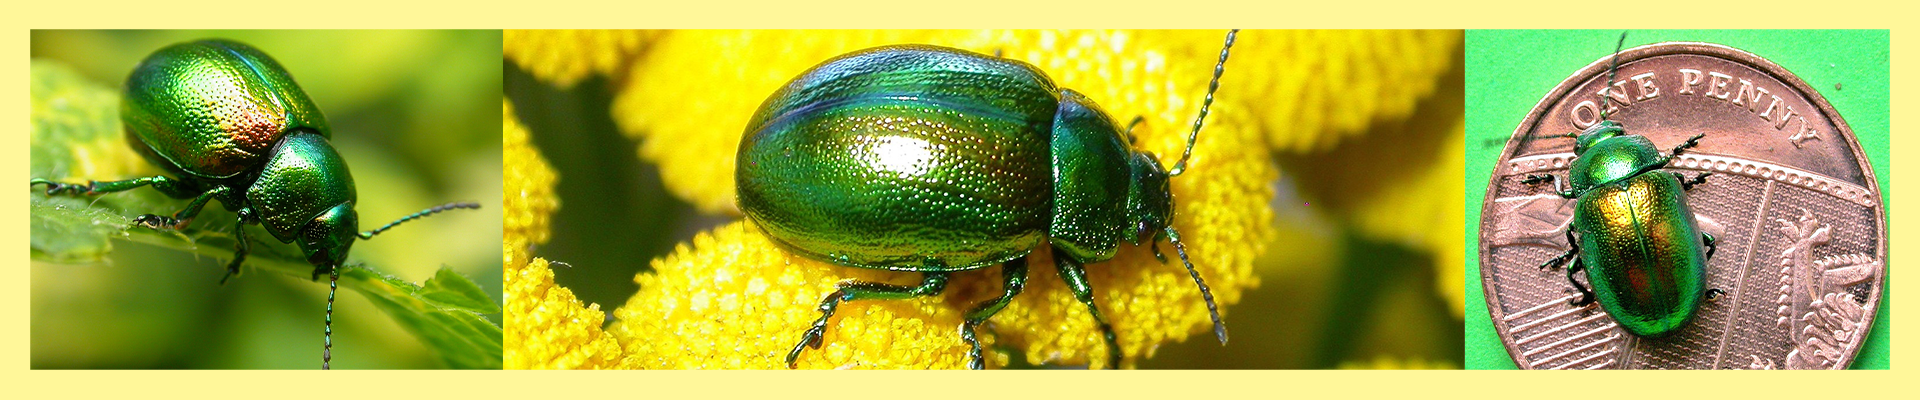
{"points": [[240, 249], [1687, 184], [1677, 151], [1560, 260], [180, 219], [1690, 143], [1586, 296], [1076, 277], [171, 187], [1154, 244], [1559, 187], [1556, 262], [932, 284], [1712, 244], [1014, 273]]}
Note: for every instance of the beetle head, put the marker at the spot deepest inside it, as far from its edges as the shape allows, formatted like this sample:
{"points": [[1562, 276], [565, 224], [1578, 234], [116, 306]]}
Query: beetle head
{"points": [[1606, 128], [326, 239], [1602, 131]]}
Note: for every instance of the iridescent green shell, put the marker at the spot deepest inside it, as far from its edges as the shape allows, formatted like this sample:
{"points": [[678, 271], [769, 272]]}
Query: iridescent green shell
{"points": [[1643, 252], [214, 108], [905, 158], [304, 179]]}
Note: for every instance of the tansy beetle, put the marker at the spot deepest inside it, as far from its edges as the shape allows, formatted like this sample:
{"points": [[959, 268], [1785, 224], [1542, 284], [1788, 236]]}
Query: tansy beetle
{"points": [[937, 160], [227, 122], [1637, 240]]}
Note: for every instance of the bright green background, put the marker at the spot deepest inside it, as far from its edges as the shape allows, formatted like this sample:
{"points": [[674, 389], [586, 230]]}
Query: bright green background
{"points": [[1508, 72]]}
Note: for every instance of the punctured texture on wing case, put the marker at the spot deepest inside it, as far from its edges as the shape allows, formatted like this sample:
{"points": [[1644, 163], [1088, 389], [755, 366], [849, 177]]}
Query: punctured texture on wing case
{"points": [[1643, 252], [214, 108]]}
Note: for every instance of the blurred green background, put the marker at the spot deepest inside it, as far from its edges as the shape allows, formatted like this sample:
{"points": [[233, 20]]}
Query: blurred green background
{"points": [[1848, 67], [415, 115], [1330, 296]]}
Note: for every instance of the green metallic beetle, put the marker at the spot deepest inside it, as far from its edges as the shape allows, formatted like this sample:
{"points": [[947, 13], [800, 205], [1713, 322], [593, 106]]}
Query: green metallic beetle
{"points": [[1638, 241], [937, 160], [228, 123]]}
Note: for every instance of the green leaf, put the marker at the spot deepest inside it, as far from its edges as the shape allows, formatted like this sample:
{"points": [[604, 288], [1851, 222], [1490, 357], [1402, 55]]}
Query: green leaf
{"points": [[76, 137], [454, 290], [67, 230], [454, 327]]}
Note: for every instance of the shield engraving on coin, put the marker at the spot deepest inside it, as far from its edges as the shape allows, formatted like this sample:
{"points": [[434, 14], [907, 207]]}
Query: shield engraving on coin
{"points": [[1793, 202]]}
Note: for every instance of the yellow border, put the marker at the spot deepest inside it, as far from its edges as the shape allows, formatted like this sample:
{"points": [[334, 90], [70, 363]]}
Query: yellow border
{"points": [[885, 14]]}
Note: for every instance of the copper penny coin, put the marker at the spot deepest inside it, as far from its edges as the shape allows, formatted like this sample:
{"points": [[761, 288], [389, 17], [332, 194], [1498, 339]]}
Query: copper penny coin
{"points": [[1792, 200]]}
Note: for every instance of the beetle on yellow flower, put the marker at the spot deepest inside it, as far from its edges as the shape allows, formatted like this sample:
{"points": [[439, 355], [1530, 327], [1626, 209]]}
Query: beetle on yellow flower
{"points": [[730, 298]]}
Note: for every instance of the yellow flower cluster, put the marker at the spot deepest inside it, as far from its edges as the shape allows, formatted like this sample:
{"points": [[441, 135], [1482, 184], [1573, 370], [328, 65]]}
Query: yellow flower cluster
{"points": [[1317, 86], [1316, 89], [564, 57], [731, 299], [545, 327], [734, 300], [1304, 88], [528, 184]]}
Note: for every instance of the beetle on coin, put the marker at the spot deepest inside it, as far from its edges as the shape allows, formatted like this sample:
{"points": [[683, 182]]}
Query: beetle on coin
{"points": [[1724, 215]]}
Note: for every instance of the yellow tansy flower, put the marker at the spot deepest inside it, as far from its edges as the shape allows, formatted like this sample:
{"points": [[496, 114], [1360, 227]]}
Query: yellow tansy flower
{"points": [[564, 57], [1317, 86], [734, 300], [689, 98], [546, 327], [528, 188]]}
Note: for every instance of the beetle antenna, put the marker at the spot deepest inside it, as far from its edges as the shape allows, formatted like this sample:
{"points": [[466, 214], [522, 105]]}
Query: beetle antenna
{"points": [[1613, 67], [423, 213], [333, 285], [1219, 327], [1181, 166]]}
